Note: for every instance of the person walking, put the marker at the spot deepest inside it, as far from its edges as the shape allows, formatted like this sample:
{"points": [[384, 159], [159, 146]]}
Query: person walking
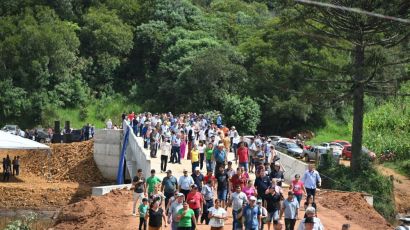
{"points": [[154, 141], [243, 156], [194, 157], [277, 173], [186, 218], [217, 216], [262, 183], [298, 188], [17, 165], [208, 194], [273, 199], [310, 222], [309, 203], [196, 202], [173, 211], [252, 215], [237, 200], [249, 189], [222, 179], [152, 181], [198, 178], [165, 152], [142, 209], [183, 145], [289, 209], [185, 183], [155, 216], [201, 150], [176, 147], [239, 179], [140, 190], [169, 186], [311, 179], [209, 157]]}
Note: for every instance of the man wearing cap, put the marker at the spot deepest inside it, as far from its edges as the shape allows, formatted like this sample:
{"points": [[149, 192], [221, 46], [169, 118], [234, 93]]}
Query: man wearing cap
{"points": [[310, 222], [237, 201], [290, 208], [198, 178], [173, 211], [185, 183], [195, 202], [169, 186], [252, 214], [277, 174], [220, 156]]}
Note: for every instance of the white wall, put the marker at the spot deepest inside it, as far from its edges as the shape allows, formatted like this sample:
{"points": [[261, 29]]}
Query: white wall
{"points": [[292, 166]]}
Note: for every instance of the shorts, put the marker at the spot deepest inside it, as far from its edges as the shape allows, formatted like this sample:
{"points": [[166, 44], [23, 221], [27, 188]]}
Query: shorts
{"points": [[222, 195], [273, 216]]}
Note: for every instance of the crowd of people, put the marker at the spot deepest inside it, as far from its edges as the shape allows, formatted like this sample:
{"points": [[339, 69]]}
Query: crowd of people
{"points": [[10, 167], [195, 198]]}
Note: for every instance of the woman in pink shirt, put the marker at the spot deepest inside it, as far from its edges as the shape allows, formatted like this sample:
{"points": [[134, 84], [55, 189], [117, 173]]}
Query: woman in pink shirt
{"points": [[249, 190], [298, 188]]}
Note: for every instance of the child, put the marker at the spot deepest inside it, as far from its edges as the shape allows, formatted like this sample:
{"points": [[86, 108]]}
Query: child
{"points": [[143, 211]]}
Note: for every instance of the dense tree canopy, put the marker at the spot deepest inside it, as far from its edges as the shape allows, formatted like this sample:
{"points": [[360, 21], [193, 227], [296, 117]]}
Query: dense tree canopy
{"points": [[274, 60]]}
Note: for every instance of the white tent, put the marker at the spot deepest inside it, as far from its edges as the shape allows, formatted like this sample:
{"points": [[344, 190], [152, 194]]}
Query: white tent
{"points": [[10, 141]]}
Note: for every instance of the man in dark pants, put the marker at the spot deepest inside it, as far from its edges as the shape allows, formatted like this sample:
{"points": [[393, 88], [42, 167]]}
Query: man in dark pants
{"points": [[169, 186], [290, 208], [311, 179], [175, 142]]}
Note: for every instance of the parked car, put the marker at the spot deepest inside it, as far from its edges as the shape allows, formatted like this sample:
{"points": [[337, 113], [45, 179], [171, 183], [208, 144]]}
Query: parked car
{"points": [[336, 147], [347, 152], [310, 153], [289, 148], [341, 142], [13, 129], [41, 136]]}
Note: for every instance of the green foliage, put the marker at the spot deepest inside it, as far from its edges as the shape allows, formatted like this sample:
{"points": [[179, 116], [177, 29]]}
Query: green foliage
{"points": [[334, 130], [244, 113], [403, 166], [24, 223], [369, 181]]}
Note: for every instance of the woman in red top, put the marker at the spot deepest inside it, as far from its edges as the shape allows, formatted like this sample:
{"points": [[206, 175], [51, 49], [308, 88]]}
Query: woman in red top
{"points": [[243, 156], [195, 202], [298, 188]]}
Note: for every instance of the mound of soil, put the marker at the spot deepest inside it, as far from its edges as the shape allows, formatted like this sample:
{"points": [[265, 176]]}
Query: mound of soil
{"points": [[67, 162], [100, 212], [354, 208]]}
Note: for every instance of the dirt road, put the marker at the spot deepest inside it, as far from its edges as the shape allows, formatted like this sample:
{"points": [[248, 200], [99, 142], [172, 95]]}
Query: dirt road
{"points": [[401, 189]]}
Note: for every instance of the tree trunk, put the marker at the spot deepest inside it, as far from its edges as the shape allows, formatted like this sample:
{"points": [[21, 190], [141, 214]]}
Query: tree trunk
{"points": [[358, 109]]}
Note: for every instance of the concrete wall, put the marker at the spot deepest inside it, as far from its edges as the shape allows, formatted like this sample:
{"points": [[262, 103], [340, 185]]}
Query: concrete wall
{"points": [[292, 166], [136, 156], [102, 190], [107, 149]]}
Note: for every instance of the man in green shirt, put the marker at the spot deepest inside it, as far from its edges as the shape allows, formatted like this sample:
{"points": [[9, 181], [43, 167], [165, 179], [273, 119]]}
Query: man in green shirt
{"points": [[152, 181], [186, 217]]}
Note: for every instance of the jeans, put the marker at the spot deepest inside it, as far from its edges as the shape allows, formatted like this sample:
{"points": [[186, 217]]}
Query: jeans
{"points": [[234, 219], [164, 160], [311, 191], [174, 225], [207, 205], [222, 194], [168, 196], [153, 149], [235, 148], [245, 165], [290, 224], [209, 165], [201, 160], [143, 223], [194, 165], [175, 155], [196, 212], [299, 197]]}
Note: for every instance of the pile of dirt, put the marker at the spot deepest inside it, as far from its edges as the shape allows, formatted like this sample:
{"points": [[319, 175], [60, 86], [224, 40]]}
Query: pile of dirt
{"points": [[353, 207], [67, 162], [100, 212]]}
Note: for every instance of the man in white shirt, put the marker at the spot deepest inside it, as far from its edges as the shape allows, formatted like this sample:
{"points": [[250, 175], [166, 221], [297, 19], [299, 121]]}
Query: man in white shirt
{"points": [[237, 201], [185, 183], [310, 179]]}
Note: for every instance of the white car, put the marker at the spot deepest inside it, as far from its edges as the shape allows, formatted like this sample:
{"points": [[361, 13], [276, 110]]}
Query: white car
{"points": [[336, 147], [310, 154], [13, 129]]}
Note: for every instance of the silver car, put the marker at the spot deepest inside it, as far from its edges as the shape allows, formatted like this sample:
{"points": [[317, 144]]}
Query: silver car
{"points": [[289, 148]]}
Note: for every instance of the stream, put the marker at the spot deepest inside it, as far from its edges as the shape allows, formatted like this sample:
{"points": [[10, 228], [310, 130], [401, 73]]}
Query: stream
{"points": [[45, 218]]}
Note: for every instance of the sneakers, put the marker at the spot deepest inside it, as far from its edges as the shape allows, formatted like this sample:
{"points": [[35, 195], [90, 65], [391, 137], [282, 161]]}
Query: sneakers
{"points": [[134, 214]]}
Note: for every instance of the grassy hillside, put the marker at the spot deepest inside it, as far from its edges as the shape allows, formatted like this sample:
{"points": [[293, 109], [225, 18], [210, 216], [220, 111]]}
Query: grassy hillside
{"points": [[97, 112], [334, 130]]}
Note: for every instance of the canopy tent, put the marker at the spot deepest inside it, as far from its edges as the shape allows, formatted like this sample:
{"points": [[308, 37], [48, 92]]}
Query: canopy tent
{"points": [[10, 141]]}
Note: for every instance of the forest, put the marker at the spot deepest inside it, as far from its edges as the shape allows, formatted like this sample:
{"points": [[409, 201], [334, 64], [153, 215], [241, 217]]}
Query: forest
{"points": [[271, 65]]}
